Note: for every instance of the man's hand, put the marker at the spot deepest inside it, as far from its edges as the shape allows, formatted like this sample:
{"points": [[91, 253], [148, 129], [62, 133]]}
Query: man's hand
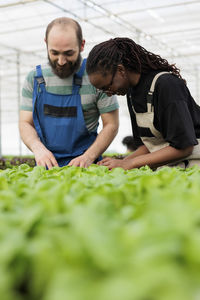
{"points": [[83, 161], [103, 140], [115, 163], [44, 157]]}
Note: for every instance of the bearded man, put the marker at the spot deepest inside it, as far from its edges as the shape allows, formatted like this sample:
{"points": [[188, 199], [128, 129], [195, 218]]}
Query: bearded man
{"points": [[60, 109]]}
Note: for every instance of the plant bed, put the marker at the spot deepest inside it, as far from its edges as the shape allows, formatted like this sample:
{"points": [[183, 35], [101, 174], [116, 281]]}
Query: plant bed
{"points": [[12, 161]]}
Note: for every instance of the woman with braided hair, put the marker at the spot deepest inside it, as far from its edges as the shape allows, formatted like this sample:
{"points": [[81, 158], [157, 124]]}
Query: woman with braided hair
{"points": [[165, 118]]}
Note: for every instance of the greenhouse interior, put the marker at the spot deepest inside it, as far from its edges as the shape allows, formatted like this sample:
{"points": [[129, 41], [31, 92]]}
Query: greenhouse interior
{"points": [[168, 28], [106, 222]]}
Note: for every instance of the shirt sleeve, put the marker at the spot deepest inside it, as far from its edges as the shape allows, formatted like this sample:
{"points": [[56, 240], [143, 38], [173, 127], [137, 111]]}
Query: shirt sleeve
{"points": [[106, 104], [27, 92], [172, 115]]}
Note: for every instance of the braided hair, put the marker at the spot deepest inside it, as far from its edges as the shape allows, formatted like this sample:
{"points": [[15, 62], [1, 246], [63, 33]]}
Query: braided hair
{"points": [[106, 56]]}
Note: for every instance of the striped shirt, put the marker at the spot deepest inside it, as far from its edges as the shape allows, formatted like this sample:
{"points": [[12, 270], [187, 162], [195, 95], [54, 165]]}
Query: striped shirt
{"points": [[93, 102]]}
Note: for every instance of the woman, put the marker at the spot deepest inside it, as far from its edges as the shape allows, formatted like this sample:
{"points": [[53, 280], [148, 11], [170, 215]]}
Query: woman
{"points": [[165, 118]]}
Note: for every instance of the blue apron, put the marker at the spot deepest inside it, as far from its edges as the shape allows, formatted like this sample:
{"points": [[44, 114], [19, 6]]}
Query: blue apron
{"points": [[59, 119]]}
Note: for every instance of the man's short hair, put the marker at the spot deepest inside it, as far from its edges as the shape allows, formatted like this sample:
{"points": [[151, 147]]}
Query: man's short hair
{"points": [[64, 21]]}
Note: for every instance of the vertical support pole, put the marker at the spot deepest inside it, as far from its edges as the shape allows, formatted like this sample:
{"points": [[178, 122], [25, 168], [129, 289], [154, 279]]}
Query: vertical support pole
{"points": [[197, 76], [0, 116], [18, 95]]}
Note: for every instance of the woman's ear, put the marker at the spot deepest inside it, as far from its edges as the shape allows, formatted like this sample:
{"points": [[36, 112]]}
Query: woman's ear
{"points": [[121, 69]]}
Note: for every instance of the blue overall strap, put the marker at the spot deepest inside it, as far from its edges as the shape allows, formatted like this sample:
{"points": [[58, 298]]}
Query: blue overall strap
{"points": [[38, 82], [77, 81], [82, 68], [39, 77], [39, 71]]}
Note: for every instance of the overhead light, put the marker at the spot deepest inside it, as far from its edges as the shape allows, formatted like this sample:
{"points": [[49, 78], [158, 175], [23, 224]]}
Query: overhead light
{"points": [[148, 37], [90, 4], [113, 17], [154, 14], [175, 53], [99, 9], [95, 6]]}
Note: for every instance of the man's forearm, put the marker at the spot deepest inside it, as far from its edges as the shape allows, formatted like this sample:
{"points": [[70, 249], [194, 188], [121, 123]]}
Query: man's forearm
{"points": [[103, 140], [29, 136]]}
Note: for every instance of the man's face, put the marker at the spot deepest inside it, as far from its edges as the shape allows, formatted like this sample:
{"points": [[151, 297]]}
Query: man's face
{"points": [[63, 51]]}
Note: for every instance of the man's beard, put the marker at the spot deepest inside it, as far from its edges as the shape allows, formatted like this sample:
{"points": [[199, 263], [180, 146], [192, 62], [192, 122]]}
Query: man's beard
{"points": [[67, 69]]}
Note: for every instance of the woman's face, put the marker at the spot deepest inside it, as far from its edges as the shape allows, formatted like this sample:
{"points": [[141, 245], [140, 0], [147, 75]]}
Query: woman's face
{"points": [[111, 83]]}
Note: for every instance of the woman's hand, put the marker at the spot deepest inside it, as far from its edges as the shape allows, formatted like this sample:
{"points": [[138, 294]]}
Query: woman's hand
{"points": [[115, 163]]}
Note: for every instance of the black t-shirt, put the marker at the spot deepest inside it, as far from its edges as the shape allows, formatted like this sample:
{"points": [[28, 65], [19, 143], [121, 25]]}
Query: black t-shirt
{"points": [[176, 114]]}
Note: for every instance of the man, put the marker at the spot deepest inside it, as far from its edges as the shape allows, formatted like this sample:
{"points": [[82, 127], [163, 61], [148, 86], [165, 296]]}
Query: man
{"points": [[60, 108]]}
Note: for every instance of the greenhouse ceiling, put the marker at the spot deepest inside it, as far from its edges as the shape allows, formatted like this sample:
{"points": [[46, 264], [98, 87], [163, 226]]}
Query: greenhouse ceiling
{"points": [[167, 27]]}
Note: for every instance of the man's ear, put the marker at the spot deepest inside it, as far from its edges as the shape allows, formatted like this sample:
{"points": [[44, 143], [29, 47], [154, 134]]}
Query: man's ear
{"points": [[82, 45]]}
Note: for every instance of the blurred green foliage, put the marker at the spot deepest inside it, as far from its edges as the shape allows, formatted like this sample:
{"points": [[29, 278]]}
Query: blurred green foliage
{"points": [[80, 234]]}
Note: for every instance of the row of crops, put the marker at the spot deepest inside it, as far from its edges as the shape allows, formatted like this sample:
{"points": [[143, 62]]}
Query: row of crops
{"points": [[94, 234], [12, 161]]}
